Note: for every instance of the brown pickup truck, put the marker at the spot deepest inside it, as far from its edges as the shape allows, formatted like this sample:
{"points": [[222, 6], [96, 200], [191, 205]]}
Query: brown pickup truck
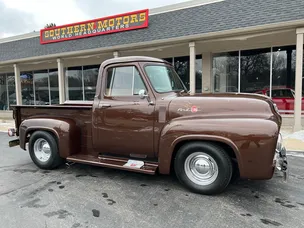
{"points": [[143, 119]]}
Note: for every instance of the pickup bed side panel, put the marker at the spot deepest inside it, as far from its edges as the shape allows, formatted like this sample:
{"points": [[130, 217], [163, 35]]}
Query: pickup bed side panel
{"points": [[66, 132], [79, 115], [252, 140]]}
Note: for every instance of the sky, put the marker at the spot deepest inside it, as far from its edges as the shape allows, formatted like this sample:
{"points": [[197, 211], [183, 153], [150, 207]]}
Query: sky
{"points": [[24, 16]]}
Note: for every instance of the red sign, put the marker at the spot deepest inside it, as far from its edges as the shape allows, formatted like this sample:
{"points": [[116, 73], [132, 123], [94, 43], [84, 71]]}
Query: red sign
{"points": [[96, 27]]}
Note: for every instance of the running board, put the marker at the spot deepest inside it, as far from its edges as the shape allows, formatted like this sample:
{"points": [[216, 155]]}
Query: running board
{"points": [[113, 162]]}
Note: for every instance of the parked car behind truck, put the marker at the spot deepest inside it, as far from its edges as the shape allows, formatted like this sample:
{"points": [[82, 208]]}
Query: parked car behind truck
{"points": [[144, 120], [284, 98]]}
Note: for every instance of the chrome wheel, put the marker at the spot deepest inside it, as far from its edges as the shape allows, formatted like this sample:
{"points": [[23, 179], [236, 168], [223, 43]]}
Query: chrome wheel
{"points": [[42, 150], [201, 168]]}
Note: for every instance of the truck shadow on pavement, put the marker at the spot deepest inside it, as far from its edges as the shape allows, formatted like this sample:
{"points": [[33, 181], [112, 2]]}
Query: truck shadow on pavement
{"points": [[164, 181]]}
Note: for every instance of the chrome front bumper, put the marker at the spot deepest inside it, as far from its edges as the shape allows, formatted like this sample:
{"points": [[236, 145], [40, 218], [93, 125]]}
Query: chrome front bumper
{"points": [[280, 158]]}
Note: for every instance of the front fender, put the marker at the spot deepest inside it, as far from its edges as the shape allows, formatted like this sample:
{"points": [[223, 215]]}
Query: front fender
{"points": [[252, 140], [65, 130]]}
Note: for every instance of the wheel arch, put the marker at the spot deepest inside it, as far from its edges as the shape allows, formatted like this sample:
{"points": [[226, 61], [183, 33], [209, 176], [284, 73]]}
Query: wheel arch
{"points": [[65, 131], [229, 147], [31, 130]]}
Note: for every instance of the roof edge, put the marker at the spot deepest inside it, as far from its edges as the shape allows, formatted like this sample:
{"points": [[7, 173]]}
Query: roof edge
{"points": [[260, 28], [152, 11], [19, 37], [181, 5]]}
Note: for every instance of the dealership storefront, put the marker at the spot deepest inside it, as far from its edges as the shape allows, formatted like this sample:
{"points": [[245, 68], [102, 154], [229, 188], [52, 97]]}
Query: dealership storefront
{"points": [[262, 55]]}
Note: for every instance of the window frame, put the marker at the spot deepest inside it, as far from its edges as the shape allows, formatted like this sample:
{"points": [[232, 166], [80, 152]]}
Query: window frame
{"points": [[105, 81]]}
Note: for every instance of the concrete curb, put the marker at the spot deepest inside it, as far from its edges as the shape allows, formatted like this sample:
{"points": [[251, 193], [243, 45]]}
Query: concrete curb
{"points": [[295, 154], [293, 141], [4, 125], [296, 151]]}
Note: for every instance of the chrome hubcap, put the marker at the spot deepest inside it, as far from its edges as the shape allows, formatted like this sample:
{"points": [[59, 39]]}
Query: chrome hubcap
{"points": [[42, 150], [201, 168]]}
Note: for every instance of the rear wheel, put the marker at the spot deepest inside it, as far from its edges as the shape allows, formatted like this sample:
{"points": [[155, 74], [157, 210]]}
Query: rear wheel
{"points": [[203, 167], [43, 150]]}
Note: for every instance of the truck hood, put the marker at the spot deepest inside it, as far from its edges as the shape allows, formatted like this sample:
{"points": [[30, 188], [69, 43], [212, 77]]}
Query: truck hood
{"points": [[228, 105]]}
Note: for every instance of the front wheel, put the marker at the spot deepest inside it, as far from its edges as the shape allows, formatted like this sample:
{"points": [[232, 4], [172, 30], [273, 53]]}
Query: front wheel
{"points": [[203, 167], [43, 150]]}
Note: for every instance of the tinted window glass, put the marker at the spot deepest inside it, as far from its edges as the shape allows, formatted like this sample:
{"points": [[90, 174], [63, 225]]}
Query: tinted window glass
{"points": [[54, 90], [255, 70], [27, 87], [41, 81], [90, 75], [74, 83], [11, 89], [225, 72], [3, 93]]}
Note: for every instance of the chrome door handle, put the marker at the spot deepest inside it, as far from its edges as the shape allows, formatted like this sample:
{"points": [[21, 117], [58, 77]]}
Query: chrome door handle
{"points": [[104, 105]]}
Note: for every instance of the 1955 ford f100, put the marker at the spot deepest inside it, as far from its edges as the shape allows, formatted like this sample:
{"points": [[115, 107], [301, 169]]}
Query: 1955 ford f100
{"points": [[143, 119]]}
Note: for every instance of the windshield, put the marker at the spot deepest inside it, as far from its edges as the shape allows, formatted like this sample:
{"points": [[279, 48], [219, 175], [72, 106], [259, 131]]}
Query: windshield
{"points": [[164, 78]]}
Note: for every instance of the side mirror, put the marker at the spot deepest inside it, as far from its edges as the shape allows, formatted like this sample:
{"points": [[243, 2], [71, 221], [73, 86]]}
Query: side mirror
{"points": [[142, 94]]}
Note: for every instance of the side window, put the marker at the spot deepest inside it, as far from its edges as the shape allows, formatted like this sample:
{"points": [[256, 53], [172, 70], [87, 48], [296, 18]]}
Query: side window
{"points": [[123, 81]]}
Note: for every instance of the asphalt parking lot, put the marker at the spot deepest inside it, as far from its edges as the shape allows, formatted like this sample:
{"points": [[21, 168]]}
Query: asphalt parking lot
{"points": [[86, 196]]}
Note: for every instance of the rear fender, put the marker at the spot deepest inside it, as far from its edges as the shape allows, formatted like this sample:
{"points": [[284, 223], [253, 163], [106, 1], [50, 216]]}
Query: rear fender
{"points": [[66, 131]]}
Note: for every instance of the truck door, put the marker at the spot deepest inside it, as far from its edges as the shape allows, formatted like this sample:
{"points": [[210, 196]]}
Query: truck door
{"points": [[123, 123]]}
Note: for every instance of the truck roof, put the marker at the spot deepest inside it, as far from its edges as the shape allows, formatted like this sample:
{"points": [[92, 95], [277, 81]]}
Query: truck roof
{"points": [[132, 59]]}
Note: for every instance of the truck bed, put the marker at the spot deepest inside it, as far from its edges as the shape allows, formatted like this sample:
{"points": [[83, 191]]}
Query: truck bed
{"points": [[80, 112]]}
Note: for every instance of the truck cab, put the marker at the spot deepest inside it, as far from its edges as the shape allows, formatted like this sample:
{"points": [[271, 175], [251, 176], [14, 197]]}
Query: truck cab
{"points": [[143, 119], [126, 105]]}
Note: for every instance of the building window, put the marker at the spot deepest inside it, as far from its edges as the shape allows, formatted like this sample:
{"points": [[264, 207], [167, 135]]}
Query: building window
{"points": [[181, 65], [170, 60], [3, 92], [27, 88], [41, 85], [225, 72], [255, 70], [257, 76], [74, 85], [182, 68], [198, 74], [10, 78], [90, 75], [54, 89]]}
